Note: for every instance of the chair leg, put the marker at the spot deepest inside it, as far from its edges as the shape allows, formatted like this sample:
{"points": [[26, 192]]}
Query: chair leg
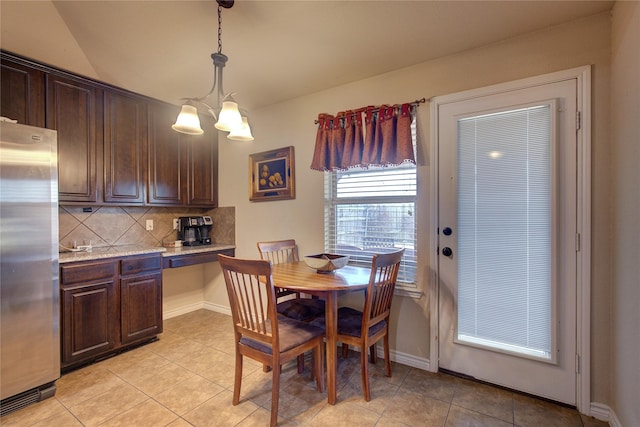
{"points": [[275, 392], [373, 357], [238, 379], [387, 361], [365, 373], [300, 361], [345, 350], [318, 367]]}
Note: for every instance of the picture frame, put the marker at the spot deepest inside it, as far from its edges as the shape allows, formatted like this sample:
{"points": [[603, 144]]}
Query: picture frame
{"points": [[272, 175]]}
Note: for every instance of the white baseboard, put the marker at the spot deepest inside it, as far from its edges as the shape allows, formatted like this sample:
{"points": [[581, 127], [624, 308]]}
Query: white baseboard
{"points": [[604, 413], [613, 419], [599, 411], [399, 357], [217, 308], [406, 359], [168, 314]]}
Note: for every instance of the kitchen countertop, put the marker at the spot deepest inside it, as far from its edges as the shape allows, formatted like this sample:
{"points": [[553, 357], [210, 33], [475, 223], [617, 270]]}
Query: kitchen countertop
{"points": [[128, 250]]}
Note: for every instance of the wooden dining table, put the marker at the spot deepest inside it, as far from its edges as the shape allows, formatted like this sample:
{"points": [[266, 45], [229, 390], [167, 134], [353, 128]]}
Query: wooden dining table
{"points": [[328, 286]]}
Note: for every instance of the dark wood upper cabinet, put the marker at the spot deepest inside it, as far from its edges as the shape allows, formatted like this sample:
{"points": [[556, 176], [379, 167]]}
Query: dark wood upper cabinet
{"points": [[22, 93], [203, 166], [167, 158], [125, 148], [74, 109], [115, 147]]}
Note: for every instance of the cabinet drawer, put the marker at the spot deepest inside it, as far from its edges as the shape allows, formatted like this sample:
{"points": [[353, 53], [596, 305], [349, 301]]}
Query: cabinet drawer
{"points": [[88, 272], [140, 264]]}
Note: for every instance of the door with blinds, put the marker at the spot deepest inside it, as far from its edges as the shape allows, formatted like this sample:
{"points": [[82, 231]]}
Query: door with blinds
{"points": [[507, 238]]}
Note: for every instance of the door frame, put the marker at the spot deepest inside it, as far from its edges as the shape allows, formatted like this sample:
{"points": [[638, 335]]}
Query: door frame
{"points": [[583, 220]]}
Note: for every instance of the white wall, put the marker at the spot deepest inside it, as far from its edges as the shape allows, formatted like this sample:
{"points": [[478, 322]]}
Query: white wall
{"points": [[182, 290], [583, 42], [625, 144]]}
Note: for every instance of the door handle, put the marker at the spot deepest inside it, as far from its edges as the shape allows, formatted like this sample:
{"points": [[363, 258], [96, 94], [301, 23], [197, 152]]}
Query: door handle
{"points": [[446, 251]]}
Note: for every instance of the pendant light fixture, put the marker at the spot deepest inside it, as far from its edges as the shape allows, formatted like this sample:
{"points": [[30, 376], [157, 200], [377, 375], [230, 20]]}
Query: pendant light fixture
{"points": [[229, 118]]}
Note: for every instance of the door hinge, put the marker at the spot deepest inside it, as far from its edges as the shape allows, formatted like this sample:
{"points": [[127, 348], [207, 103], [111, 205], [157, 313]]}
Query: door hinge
{"points": [[577, 242], [578, 120], [577, 363]]}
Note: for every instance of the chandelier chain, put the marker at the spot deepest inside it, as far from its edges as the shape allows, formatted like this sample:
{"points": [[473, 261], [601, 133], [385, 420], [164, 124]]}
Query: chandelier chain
{"points": [[219, 29]]}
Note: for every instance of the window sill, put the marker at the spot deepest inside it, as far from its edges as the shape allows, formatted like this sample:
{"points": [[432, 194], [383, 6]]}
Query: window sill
{"points": [[408, 291]]}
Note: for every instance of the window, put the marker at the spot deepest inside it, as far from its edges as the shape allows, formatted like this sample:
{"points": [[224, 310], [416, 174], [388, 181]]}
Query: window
{"points": [[373, 211]]}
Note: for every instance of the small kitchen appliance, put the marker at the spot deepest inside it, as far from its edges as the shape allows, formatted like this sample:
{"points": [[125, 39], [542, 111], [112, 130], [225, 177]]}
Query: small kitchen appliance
{"points": [[194, 230]]}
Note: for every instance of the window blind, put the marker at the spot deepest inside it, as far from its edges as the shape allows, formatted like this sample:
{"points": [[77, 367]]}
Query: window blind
{"points": [[372, 211], [505, 221]]}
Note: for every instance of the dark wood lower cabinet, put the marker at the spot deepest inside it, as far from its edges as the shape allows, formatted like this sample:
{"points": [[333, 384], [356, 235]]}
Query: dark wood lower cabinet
{"points": [[140, 298], [109, 305], [89, 318], [141, 305]]}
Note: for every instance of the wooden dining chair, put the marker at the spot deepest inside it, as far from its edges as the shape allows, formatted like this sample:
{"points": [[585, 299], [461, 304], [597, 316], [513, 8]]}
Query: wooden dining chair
{"points": [[365, 328], [290, 303], [259, 332]]}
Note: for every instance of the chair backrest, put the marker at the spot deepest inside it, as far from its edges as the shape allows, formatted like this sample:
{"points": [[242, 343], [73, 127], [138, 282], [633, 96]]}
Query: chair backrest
{"points": [[251, 298], [379, 293], [279, 251]]}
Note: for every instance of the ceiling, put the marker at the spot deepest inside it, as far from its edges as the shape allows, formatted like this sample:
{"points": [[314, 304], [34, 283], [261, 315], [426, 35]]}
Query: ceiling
{"points": [[278, 50]]}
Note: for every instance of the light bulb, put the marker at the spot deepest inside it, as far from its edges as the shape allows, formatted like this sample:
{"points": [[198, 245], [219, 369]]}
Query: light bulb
{"points": [[243, 133], [229, 117], [188, 121]]}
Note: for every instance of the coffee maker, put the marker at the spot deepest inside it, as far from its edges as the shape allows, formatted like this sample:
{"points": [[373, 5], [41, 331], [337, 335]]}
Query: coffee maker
{"points": [[194, 230]]}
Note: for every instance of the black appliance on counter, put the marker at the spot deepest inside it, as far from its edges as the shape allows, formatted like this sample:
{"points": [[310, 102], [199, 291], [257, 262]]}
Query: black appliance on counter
{"points": [[194, 230]]}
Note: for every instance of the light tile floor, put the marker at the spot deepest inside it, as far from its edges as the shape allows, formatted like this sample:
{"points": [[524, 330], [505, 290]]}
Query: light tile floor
{"points": [[186, 379]]}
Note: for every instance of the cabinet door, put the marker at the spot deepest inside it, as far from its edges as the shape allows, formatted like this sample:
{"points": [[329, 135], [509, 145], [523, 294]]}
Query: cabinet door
{"points": [[203, 167], [125, 146], [141, 306], [89, 321], [90, 310], [72, 110], [22, 93], [167, 158]]}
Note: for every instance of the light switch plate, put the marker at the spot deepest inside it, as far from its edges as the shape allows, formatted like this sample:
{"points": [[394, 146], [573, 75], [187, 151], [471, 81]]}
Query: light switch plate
{"points": [[149, 225]]}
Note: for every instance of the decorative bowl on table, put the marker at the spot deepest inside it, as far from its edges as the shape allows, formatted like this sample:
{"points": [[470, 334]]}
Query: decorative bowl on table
{"points": [[326, 263]]}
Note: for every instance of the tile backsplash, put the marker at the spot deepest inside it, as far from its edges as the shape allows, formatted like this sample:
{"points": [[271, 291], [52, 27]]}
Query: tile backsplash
{"points": [[115, 225]]}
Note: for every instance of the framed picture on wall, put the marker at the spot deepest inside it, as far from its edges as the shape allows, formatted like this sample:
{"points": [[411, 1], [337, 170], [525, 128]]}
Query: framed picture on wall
{"points": [[272, 175]]}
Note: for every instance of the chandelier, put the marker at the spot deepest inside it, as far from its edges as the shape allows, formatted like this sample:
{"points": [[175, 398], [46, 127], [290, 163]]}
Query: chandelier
{"points": [[229, 118]]}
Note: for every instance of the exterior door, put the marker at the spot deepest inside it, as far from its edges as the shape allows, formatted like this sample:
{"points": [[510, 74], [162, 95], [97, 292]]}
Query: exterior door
{"points": [[507, 238]]}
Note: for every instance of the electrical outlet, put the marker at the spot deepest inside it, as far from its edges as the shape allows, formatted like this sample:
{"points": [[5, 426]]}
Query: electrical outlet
{"points": [[149, 225], [176, 223]]}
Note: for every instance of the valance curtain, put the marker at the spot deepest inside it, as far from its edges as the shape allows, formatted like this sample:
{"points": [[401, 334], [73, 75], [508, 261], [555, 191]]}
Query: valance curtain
{"points": [[370, 136]]}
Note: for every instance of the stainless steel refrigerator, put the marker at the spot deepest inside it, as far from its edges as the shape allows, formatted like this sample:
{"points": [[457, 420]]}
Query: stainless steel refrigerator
{"points": [[30, 296]]}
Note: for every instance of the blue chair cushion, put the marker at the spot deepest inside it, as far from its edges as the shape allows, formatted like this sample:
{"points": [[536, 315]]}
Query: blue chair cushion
{"points": [[302, 309], [291, 332], [349, 323]]}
